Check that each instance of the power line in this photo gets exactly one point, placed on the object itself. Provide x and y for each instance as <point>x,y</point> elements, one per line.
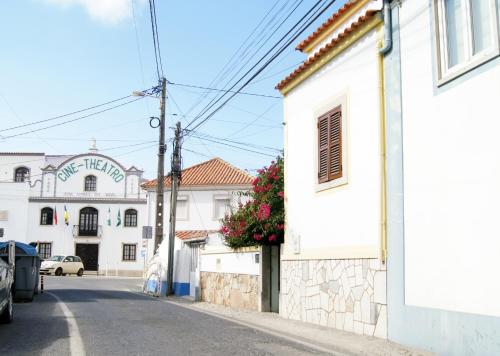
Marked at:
<point>157,37</point>
<point>234,146</point>
<point>223,90</point>
<point>154,38</point>
<point>65,115</point>
<point>297,33</point>
<point>221,74</point>
<point>246,144</point>
<point>214,101</point>
<point>73,120</point>
<point>252,122</point>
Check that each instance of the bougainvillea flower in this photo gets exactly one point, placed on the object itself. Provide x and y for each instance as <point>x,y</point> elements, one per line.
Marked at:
<point>257,237</point>
<point>264,211</point>
<point>280,226</point>
<point>272,237</point>
<point>281,195</point>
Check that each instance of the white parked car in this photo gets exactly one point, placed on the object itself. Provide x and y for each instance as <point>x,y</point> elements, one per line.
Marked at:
<point>62,265</point>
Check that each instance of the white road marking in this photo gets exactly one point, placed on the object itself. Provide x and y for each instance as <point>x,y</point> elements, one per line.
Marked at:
<point>75,338</point>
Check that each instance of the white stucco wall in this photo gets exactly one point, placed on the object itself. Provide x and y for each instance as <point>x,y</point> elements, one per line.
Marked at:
<point>342,222</point>
<point>230,262</point>
<point>451,176</point>
<point>110,243</point>
<point>58,186</point>
<point>9,163</point>
<point>14,204</point>
<point>200,206</point>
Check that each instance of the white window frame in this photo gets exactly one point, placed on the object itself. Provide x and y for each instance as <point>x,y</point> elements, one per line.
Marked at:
<point>471,61</point>
<point>186,199</point>
<point>215,199</point>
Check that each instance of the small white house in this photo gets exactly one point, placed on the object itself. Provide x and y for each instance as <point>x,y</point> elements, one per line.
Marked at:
<point>88,205</point>
<point>207,192</point>
<point>333,260</point>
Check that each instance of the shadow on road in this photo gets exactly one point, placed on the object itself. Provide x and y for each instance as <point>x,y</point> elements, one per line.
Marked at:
<point>37,326</point>
<point>95,295</point>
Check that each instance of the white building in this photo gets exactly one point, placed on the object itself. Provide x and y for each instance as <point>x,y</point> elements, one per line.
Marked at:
<point>333,262</point>
<point>87,205</point>
<point>207,192</point>
<point>443,87</point>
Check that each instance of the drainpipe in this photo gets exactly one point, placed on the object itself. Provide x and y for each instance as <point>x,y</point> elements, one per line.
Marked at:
<point>387,28</point>
<point>384,47</point>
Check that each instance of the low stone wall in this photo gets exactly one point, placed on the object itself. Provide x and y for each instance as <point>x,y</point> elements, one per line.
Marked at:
<point>348,294</point>
<point>239,291</point>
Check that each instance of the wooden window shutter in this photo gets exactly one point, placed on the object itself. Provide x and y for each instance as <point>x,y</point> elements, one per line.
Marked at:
<point>330,146</point>
<point>335,144</point>
<point>323,145</point>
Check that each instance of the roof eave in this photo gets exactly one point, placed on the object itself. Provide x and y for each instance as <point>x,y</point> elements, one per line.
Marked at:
<point>324,55</point>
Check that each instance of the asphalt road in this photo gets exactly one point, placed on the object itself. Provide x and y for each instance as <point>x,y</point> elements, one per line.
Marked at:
<point>102,316</point>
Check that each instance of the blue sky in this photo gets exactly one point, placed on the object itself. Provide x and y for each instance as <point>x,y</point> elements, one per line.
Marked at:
<point>62,55</point>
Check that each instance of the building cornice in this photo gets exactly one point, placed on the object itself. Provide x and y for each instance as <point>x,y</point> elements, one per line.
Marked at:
<point>86,200</point>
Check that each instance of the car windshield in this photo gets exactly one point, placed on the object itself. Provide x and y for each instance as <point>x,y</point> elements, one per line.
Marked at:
<point>56,258</point>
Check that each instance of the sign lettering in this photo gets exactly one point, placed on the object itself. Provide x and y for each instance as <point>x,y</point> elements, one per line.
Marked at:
<point>91,164</point>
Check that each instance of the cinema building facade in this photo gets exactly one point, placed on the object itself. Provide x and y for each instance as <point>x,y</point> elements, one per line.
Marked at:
<point>88,205</point>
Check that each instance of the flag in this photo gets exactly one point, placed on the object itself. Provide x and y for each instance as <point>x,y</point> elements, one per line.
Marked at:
<point>55,215</point>
<point>109,216</point>
<point>66,216</point>
<point>118,219</point>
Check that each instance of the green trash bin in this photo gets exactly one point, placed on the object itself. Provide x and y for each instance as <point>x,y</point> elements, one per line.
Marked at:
<point>27,270</point>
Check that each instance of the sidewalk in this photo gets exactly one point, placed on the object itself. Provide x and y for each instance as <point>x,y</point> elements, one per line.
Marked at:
<point>320,338</point>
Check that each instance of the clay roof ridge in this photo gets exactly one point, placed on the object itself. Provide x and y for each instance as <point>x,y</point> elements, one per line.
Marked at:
<point>234,167</point>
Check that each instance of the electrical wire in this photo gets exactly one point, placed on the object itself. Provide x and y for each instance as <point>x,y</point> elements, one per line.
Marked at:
<point>72,120</point>
<point>151,12</point>
<point>220,74</point>
<point>214,101</point>
<point>237,147</point>
<point>222,90</point>
<point>297,33</point>
<point>65,115</point>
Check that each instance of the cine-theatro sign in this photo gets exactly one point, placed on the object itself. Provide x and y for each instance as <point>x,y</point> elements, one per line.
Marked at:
<point>91,164</point>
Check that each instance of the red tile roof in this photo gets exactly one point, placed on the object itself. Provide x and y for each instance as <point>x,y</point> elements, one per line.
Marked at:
<point>325,49</point>
<point>186,235</point>
<point>213,172</point>
<point>330,21</point>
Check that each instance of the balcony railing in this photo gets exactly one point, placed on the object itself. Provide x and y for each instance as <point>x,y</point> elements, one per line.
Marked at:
<point>87,233</point>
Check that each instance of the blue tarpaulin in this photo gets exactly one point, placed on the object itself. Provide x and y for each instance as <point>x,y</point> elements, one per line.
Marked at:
<point>27,250</point>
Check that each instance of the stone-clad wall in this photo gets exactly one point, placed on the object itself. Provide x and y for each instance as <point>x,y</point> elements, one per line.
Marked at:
<point>348,295</point>
<point>239,291</point>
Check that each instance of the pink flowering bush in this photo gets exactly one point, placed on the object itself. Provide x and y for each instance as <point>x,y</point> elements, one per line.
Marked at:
<point>261,220</point>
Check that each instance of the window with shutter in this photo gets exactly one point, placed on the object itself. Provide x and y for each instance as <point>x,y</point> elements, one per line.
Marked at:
<point>330,145</point>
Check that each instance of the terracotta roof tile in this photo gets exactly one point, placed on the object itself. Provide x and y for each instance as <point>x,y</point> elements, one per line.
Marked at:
<point>213,172</point>
<point>330,21</point>
<point>186,235</point>
<point>325,49</point>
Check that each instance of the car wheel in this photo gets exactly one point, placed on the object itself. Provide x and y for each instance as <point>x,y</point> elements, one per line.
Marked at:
<point>80,272</point>
<point>8,313</point>
<point>58,271</point>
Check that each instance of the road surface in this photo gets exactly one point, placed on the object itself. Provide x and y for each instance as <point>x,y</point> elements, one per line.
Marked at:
<point>106,316</point>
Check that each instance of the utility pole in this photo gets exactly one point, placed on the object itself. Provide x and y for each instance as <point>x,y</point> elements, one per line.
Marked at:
<point>175,177</point>
<point>161,169</point>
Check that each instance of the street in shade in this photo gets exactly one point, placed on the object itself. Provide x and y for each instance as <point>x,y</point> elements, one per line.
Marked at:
<point>106,316</point>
